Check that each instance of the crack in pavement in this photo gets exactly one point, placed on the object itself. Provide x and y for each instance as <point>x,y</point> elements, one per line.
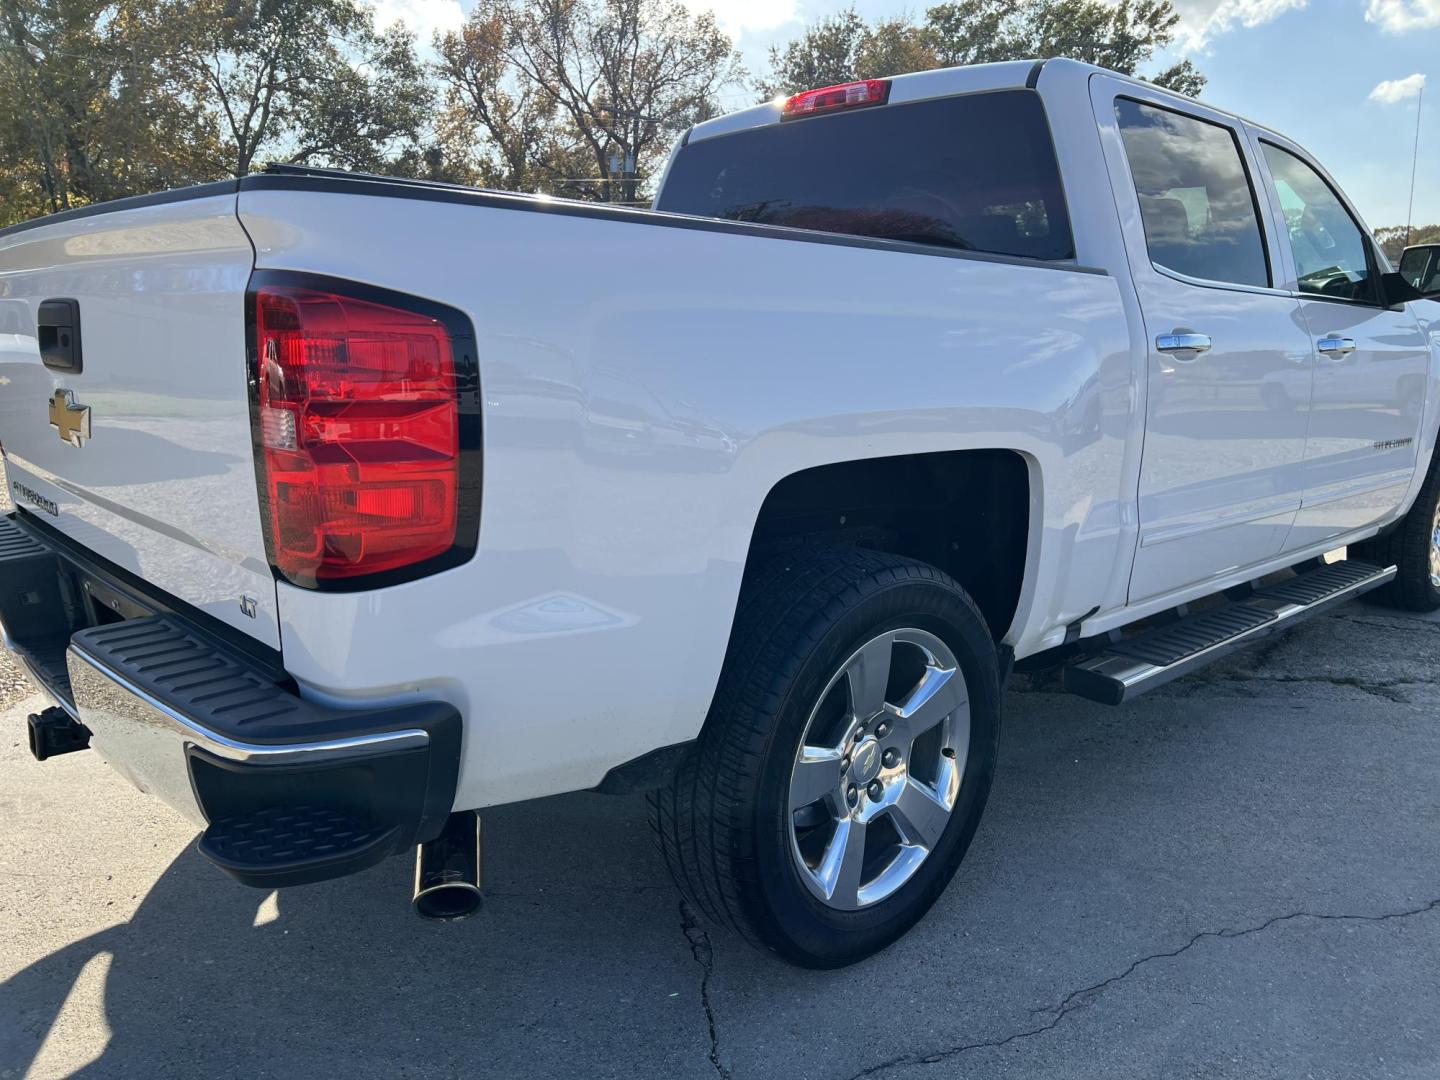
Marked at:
<point>1265,649</point>
<point>1380,621</point>
<point>1384,690</point>
<point>704,954</point>
<point>1088,995</point>
<point>1349,682</point>
<point>1264,652</point>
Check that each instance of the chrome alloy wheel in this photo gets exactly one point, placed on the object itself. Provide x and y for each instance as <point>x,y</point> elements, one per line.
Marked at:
<point>1435,551</point>
<point>878,769</point>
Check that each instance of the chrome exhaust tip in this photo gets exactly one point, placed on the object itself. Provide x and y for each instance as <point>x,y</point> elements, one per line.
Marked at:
<point>447,871</point>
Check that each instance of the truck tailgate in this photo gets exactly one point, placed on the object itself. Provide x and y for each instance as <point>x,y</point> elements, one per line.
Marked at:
<point>164,484</point>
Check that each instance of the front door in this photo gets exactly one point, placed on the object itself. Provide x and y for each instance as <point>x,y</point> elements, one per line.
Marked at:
<point>1372,363</point>
<point>1230,365</point>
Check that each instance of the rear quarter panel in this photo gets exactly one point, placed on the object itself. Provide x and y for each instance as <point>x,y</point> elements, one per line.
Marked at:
<point>645,387</point>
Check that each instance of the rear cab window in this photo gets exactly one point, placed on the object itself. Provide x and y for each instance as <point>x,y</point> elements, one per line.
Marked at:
<point>975,173</point>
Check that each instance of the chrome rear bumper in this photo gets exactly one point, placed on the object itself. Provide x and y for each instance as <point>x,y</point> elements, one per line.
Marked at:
<point>150,741</point>
<point>216,736</point>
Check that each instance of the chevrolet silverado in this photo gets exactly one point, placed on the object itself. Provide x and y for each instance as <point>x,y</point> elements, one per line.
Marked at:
<point>348,506</point>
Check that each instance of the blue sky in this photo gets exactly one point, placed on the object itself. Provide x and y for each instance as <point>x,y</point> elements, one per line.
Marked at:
<point>1308,68</point>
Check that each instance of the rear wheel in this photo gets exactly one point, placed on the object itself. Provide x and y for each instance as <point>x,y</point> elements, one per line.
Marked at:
<point>846,760</point>
<point>1413,547</point>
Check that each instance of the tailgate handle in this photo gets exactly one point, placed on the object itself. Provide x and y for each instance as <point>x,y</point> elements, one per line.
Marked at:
<point>58,328</point>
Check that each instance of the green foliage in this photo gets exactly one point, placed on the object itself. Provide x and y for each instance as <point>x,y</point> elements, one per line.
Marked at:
<point>1394,239</point>
<point>88,117</point>
<point>845,47</point>
<point>1122,36</point>
<point>581,97</point>
<point>107,99</point>
<point>301,81</point>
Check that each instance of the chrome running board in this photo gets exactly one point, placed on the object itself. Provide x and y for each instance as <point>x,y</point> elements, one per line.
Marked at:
<point>1130,666</point>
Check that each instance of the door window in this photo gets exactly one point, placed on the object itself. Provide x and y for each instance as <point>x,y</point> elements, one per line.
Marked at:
<point>1331,253</point>
<point>1196,199</point>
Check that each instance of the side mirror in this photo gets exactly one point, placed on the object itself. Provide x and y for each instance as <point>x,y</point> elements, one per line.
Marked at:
<point>1395,290</point>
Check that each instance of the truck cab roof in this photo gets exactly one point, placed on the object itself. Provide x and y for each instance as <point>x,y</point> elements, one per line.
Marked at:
<point>917,86</point>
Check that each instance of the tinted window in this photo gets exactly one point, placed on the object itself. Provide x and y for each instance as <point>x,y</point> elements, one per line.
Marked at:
<point>1331,256</point>
<point>1421,268</point>
<point>1412,265</point>
<point>1195,197</point>
<point>975,172</point>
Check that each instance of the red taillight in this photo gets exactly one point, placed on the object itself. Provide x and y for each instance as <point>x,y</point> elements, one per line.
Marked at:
<point>359,427</point>
<point>845,96</point>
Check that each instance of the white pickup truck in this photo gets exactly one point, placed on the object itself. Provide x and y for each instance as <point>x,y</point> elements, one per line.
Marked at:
<point>348,506</point>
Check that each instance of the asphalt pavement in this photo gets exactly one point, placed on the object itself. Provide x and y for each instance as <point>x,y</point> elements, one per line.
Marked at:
<point>1237,876</point>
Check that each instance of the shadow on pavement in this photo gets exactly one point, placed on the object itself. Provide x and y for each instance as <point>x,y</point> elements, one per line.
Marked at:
<point>1228,813</point>
<point>579,938</point>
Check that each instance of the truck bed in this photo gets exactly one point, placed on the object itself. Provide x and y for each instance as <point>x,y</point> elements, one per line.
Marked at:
<point>628,359</point>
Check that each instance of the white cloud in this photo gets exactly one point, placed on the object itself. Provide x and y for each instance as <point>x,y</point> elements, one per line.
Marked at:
<point>422,17</point>
<point>738,17</point>
<point>1392,90</point>
<point>1203,20</point>
<point>1398,16</point>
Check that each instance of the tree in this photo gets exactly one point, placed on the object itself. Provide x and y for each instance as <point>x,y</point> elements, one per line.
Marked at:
<point>90,117</point>
<point>500,128</point>
<point>1123,37</point>
<point>1394,239</point>
<point>895,44</point>
<point>109,98</point>
<point>596,89</point>
<point>302,81</point>
<point>845,47</point>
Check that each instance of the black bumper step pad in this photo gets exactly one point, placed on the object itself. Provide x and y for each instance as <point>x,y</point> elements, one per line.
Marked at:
<point>32,608</point>
<point>182,667</point>
<point>46,658</point>
<point>16,544</point>
<point>275,844</point>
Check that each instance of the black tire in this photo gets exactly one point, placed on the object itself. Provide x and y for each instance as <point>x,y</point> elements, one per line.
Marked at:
<point>722,825</point>
<point>1408,547</point>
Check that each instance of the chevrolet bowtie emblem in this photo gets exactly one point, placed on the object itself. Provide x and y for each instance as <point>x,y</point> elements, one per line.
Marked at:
<point>70,420</point>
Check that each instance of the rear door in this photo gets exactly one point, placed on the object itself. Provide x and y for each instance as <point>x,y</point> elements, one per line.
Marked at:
<point>1229,376</point>
<point>1371,363</point>
<point>150,462</point>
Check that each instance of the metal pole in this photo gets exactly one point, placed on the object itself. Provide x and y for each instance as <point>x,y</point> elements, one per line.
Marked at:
<point>1414,163</point>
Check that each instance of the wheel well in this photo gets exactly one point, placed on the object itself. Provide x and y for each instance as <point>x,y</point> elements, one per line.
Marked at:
<point>964,511</point>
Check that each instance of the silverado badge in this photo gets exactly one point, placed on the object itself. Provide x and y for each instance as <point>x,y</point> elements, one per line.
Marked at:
<point>70,420</point>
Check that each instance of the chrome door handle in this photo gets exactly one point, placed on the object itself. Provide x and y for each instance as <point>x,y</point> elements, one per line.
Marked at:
<point>1336,346</point>
<point>1183,341</point>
